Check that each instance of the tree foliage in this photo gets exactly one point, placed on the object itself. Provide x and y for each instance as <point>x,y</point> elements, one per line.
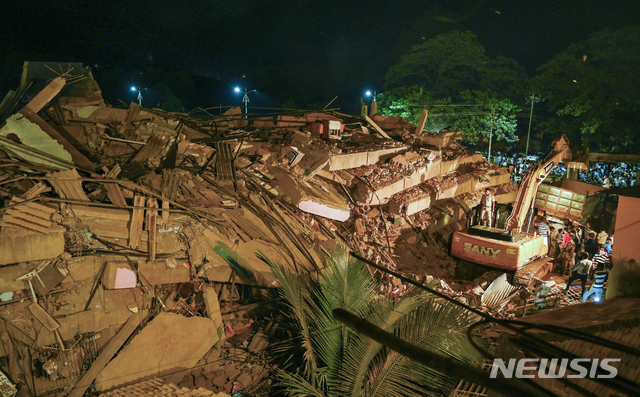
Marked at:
<point>490,116</point>
<point>593,87</point>
<point>408,102</point>
<point>453,62</point>
<point>327,358</point>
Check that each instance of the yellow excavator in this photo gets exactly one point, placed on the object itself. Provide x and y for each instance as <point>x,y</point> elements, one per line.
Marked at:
<point>514,249</point>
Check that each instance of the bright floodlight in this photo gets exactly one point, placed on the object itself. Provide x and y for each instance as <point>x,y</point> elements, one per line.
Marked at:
<point>597,299</point>
<point>133,88</point>
<point>368,93</point>
<point>237,89</point>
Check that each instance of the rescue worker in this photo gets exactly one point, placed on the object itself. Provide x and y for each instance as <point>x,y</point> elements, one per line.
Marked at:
<point>488,206</point>
<point>567,260</point>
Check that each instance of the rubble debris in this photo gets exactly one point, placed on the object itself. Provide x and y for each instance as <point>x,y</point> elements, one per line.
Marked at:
<point>152,221</point>
<point>107,353</point>
<point>118,275</point>
<point>166,342</point>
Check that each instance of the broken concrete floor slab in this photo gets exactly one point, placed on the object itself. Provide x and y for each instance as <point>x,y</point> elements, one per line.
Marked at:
<point>169,342</point>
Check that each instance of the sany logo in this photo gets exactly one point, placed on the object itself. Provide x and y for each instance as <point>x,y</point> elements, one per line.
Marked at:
<point>549,368</point>
<point>480,250</point>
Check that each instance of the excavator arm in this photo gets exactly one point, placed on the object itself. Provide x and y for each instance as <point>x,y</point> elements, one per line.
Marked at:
<point>533,177</point>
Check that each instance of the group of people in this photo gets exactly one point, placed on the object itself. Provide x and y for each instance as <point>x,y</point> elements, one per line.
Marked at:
<point>578,251</point>
<point>608,175</point>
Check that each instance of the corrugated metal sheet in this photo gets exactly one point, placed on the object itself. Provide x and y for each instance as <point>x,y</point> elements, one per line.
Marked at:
<point>29,216</point>
<point>498,292</point>
<point>65,185</point>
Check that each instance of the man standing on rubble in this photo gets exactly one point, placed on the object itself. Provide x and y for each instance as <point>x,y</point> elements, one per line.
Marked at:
<point>542,227</point>
<point>488,205</point>
<point>580,272</point>
<point>569,252</point>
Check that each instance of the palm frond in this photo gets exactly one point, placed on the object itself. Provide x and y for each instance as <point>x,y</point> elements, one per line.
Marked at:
<point>297,386</point>
<point>438,327</point>
<point>295,292</point>
<point>385,313</point>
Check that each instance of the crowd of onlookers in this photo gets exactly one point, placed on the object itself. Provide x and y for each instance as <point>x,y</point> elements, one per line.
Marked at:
<point>577,251</point>
<point>610,175</point>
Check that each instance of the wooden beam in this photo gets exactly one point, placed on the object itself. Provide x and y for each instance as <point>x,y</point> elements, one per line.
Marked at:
<point>107,354</point>
<point>135,229</point>
<point>46,95</point>
<point>152,228</point>
<point>376,127</point>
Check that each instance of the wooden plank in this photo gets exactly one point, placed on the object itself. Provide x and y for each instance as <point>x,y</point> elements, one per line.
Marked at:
<point>115,195</point>
<point>152,227</point>
<point>170,184</point>
<point>165,214</point>
<point>113,173</point>
<point>46,95</point>
<point>35,191</point>
<point>102,213</point>
<point>64,184</point>
<point>110,350</point>
<point>155,145</point>
<point>135,229</point>
<point>45,318</point>
<point>376,127</point>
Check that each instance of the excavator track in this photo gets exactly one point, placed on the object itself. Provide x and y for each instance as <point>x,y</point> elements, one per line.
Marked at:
<point>538,269</point>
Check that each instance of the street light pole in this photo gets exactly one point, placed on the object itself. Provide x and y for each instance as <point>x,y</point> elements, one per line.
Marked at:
<point>139,94</point>
<point>526,152</point>
<point>245,99</point>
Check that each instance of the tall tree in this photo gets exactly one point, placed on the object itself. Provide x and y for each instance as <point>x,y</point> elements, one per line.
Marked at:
<point>490,118</point>
<point>453,62</point>
<point>593,86</point>
<point>445,65</point>
<point>326,358</point>
<point>408,102</point>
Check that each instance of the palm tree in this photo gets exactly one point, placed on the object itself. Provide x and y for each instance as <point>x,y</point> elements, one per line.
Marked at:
<point>326,358</point>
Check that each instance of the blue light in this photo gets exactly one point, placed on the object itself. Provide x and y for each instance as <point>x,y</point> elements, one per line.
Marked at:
<point>133,88</point>
<point>237,89</point>
<point>368,93</point>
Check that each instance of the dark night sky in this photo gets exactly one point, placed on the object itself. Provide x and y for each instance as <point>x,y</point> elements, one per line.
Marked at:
<point>310,50</point>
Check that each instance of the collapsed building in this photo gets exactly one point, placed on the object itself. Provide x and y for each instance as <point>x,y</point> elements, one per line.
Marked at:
<point>137,234</point>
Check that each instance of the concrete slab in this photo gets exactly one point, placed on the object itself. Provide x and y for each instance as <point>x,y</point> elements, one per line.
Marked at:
<point>168,343</point>
<point>19,245</point>
<point>312,197</point>
<point>157,272</point>
<point>360,159</point>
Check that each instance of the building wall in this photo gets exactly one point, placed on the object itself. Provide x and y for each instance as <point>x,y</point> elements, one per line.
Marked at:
<point>624,279</point>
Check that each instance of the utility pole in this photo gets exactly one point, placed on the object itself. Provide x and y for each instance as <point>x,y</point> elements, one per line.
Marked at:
<point>526,152</point>
<point>245,99</point>
<point>493,113</point>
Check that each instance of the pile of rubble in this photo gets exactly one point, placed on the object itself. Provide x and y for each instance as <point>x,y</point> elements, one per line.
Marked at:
<point>134,233</point>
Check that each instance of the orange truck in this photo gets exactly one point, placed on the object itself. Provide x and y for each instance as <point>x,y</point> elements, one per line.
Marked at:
<point>516,248</point>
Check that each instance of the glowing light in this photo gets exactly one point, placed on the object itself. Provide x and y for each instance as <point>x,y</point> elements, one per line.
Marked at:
<point>237,89</point>
<point>597,299</point>
<point>133,88</point>
<point>368,93</point>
